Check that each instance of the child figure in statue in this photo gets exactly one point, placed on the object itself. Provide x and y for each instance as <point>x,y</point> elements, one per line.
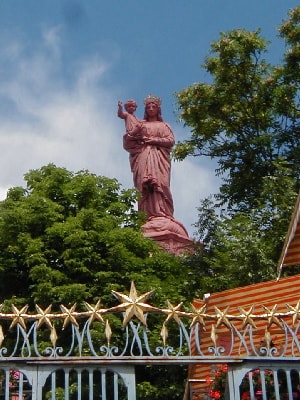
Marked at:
<point>131,120</point>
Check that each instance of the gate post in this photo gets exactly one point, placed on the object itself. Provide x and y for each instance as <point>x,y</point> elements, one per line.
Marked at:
<point>127,373</point>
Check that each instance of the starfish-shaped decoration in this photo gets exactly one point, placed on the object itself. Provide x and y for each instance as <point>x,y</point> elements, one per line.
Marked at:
<point>222,317</point>
<point>198,315</point>
<point>133,305</point>
<point>70,317</point>
<point>271,316</point>
<point>19,317</point>
<point>172,312</point>
<point>295,311</point>
<point>43,316</point>
<point>95,312</point>
<point>247,317</point>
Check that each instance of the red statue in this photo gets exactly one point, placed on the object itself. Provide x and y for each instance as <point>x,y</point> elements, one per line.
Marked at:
<point>130,119</point>
<point>149,143</point>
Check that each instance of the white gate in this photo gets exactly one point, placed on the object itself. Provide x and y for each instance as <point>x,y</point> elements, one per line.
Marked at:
<point>35,381</point>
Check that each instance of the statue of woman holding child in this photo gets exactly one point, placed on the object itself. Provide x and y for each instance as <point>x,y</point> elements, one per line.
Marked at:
<point>149,142</point>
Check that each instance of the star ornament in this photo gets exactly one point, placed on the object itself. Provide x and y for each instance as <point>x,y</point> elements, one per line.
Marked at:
<point>69,316</point>
<point>95,312</point>
<point>43,316</point>
<point>198,315</point>
<point>295,312</point>
<point>172,312</point>
<point>222,317</point>
<point>133,305</point>
<point>247,317</point>
<point>19,316</point>
<point>272,317</point>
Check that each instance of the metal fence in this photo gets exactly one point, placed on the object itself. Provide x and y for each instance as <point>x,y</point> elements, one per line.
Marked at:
<point>92,353</point>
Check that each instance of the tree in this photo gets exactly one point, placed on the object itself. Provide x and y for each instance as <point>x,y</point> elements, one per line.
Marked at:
<point>73,237</point>
<point>289,85</point>
<point>242,247</point>
<point>70,237</point>
<point>247,117</point>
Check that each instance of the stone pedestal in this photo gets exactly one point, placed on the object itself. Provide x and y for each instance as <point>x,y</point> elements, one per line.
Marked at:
<point>169,233</point>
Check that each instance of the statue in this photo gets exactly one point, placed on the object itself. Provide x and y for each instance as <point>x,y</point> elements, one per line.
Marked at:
<point>130,119</point>
<point>149,142</point>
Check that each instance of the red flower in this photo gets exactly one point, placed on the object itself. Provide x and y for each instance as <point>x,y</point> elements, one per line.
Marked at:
<point>208,380</point>
<point>224,368</point>
<point>246,396</point>
<point>215,394</point>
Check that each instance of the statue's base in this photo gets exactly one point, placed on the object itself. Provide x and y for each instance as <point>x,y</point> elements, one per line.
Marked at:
<point>169,234</point>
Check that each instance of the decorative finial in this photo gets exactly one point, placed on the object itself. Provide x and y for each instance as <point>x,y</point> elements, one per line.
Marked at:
<point>152,99</point>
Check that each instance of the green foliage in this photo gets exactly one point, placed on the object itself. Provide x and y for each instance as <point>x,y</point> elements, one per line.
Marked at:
<point>174,375</point>
<point>247,117</point>
<point>73,237</point>
<point>290,32</point>
<point>242,248</point>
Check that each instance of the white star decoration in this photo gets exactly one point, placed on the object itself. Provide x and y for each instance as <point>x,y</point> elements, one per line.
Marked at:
<point>295,312</point>
<point>272,317</point>
<point>95,312</point>
<point>133,305</point>
<point>173,312</point>
<point>70,317</point>
<point>247,317</point>
<point>199,315</point>
<point>43,316</point>
<point>19,318</point>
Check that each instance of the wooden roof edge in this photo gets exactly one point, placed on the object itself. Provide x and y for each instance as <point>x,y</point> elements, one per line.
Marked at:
<point>288,238</point>
<point>209,297</point>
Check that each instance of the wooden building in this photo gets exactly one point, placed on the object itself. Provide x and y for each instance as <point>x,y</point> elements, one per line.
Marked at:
<point>272,298</point>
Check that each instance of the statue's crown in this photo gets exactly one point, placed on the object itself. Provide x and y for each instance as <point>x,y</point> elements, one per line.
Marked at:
<point>152,99</point>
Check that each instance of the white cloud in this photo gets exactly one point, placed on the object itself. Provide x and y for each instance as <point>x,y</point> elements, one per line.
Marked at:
<point>191,182</point>
<point>72,124</point>
<point>52,39</point>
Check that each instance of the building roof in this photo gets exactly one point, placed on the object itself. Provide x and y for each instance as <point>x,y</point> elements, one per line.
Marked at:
<point>275,294</point>
<point>290,254</point>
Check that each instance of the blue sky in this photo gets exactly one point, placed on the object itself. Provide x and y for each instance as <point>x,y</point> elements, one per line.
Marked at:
<point>64,64</point>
